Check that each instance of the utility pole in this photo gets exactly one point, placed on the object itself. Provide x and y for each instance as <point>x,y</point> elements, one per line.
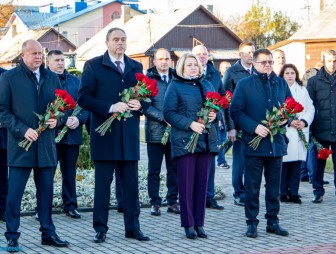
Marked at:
<point>308,8</point>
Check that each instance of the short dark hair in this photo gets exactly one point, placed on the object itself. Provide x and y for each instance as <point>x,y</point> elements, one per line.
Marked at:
<point>292,66</point>
<point>111,30</point>
<point>261,51</point>
<point>245,43</point>
<point>55,52</point>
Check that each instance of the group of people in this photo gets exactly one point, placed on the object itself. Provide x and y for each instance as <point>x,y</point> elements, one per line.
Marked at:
<point>257,87</point>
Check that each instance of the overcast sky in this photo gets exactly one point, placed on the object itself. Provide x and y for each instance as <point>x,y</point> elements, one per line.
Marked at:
<point>295,8</point>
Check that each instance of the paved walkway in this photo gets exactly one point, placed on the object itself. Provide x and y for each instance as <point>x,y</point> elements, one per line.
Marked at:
<point>312,229</point>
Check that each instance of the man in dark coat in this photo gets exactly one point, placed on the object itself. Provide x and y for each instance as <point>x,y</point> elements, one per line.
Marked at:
<point>24,91</point>
<point>213,76</point>
<point>322,91</point>
<point>253,97</point>
<point>3,168</point>
<point>241,69</point>
<point>103,79</point>
<point>155,127</point>
<point>68,147</point>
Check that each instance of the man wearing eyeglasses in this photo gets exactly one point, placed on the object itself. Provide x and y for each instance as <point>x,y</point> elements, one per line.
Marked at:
<point>241,69</point>
<point>254,96</point>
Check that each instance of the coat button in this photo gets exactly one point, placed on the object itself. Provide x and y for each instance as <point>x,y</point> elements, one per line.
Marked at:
<point>270,152</point>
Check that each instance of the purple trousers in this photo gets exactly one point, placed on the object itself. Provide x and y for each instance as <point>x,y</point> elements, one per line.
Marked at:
<point>192,174</point>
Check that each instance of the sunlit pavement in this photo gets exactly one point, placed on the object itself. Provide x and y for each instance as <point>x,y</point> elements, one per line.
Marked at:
<point>312,228</point>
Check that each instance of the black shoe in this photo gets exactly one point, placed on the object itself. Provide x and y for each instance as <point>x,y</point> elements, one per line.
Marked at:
<point>213,205</point>
<point>120,209</point>
<point>317,199</point>
<point>284,199</point>
<point>99,237</point>
<point>190,233</point>
<point>239,201</point>
<point>251,231</point>
<point>200,232</point>
<point>276,229</point>
<point>173,209</point>
<point>136,235</point>
<point>13,245</point>
<point>325,182</point>
<point>295,199</point>
<point>54,240</point>
<point>155,210</point>
<point>304,179</point>
<point>73,214</point>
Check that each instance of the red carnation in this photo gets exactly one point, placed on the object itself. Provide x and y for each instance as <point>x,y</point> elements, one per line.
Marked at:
<point>324,154</point>
<point>290,102</point>
<point>298,108</point>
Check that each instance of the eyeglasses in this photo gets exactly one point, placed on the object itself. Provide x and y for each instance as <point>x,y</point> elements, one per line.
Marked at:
<point>266,62</point>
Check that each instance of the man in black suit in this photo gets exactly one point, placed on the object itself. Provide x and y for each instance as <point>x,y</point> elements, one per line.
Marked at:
<point>68,147</point>
<point>24,91</point>
<point>155,127</point>
<point>103,79</point>
<point>3,168</point>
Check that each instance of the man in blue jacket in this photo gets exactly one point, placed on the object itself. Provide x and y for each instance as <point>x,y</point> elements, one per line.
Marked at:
<point>68,147</point>
<point>241,69</point>
<point>104,78</point>
<point>253,97</point>
<point>24,91</point>
<point>3,168</point>
<point>213,76</point>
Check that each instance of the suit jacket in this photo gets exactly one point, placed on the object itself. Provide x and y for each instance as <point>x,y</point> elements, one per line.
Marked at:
<point>20,96</point>
<point>101,84</point>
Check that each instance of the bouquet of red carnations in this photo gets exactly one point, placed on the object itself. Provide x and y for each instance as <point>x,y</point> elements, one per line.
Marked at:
<point>213,103</point>
<point>65,129</point>
<point>55,110</point>
<point>323,153</point>
<point>287,110</point>
<point>145,88</point>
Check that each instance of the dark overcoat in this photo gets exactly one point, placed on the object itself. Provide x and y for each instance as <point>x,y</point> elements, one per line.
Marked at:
<point>20,96</point>
<point>3,131</point>
<point>322,90</point>
<point>101,84</point>
<point>183,99</point>
<point>252,98</point>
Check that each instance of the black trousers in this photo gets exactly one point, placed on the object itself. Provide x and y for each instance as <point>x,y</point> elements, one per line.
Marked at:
<point>254,167</point>
<point>128,172</point>
<point>290,178</point>
<point>155,152</point>
<point>17,181</point>
<point>3,180</point>
<point>67,156</point>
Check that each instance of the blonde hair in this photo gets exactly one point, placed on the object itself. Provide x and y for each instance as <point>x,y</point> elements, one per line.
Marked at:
<point>181,61</point>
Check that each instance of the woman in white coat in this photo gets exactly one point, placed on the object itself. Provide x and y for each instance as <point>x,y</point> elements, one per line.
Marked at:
<point>296,151</point>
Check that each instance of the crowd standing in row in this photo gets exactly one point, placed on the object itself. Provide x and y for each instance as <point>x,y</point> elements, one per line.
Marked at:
<point>257,86</point>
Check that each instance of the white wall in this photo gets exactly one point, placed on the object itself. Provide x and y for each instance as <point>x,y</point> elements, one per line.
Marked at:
<point>296,54</point>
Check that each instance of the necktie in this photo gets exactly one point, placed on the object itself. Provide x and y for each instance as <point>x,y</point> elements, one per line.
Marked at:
<point>249,71</point>
<point>119,67</point>
<point>37,76</point>
<point>165,79</point>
